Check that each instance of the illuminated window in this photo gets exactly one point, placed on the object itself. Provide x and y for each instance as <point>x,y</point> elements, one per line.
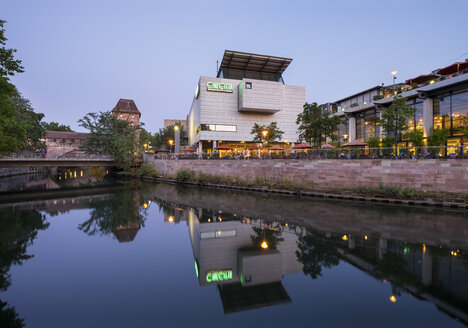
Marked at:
<point>218,127</point>
<point>248,85</point>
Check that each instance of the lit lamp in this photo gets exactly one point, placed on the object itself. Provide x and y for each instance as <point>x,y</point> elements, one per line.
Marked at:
<point>394,78</point>
<point>171,142</point>
<point>264,245</point>
<point>177,139</point>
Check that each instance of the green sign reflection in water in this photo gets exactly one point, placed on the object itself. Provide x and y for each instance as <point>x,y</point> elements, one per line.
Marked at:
<point>220,87</point>
<point>218,275</point>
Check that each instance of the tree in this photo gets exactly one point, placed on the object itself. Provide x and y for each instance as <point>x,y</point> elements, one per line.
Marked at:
<point>395,118</point>
<point>273,133</point>
<point>162,137</point>
<point>315,125</point>
<point>145,138</point>
<point>109,135</point>
<point>315,252</point>
<point>12,133</point>
<point>55,126</point>
<point>30,121</point>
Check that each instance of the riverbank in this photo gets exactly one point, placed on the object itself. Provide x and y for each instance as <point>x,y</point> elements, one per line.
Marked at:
<point>383,195</point>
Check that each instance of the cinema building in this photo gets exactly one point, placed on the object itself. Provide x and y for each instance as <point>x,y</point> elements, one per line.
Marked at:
<point>247,89</point>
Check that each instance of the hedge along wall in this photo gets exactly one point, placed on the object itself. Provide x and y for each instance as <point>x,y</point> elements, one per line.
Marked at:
<point>436,175</point>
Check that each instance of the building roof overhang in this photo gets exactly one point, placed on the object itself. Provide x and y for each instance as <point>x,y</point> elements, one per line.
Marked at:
<point>245,61</point>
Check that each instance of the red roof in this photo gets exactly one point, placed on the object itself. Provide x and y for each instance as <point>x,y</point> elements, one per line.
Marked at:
<point>454,68</point>
<point>126,106</point>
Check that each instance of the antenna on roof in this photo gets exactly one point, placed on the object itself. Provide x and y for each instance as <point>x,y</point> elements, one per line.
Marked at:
<point>216,68</point>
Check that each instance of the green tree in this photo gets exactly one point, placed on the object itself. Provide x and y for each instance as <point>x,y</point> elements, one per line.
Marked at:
<point>395,118</point>
<point>273,133</point>
<point>437,137</point>
<point>30,121</point>
<point>161,138</point>
<point>55,126</point>
<point>12,133</point>
<point>272,237</point>
<point>416,138</point>
<point>145,138</point>
<point>315,125</point>
<point>109,135</point>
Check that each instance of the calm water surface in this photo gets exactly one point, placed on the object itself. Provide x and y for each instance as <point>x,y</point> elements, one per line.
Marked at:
<point>171,256</point>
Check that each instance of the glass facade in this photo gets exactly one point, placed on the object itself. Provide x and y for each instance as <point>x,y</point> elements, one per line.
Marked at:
<point>367,125</point>
<point>416,123</point>
<point>451,113</point>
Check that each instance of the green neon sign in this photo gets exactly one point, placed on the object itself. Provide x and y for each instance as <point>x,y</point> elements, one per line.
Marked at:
<point>197,91</point>
<point>218,275</point>
<point>219,87</point>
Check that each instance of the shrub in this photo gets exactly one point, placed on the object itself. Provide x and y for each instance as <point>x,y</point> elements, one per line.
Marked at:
<point>438,137</point>
<point>377,97</point>
<point>374,142</point>
<point>183,175</point>
<point>416,138</point>
<point>148,170</point>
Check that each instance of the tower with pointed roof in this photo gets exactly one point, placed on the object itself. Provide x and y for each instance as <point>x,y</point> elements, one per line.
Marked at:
<point>126,109</point>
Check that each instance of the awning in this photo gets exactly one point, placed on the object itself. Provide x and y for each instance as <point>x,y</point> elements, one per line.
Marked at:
<point>422,78</point>
<point>190,149</point>
<point>454,68</point>
<point>328,146</point>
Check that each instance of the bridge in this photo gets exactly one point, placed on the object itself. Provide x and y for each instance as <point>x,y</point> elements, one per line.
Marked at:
<point>49,161</point>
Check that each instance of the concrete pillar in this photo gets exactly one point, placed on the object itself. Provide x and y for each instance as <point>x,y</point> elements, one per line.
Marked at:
<point>428,116</point>
<point>351,129</point>
<point>214,145</point>
<point>176,141</point>
<point>200,147</point>
<point>426,266</point>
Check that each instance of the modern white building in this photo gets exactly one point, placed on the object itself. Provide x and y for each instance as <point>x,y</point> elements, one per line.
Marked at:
<point>248,89</point>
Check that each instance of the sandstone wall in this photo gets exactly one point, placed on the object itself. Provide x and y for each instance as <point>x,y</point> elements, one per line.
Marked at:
<point>436,175</point>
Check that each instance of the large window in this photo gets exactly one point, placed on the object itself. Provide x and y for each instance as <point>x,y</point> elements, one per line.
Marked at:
<point>367,125</point>
<point>219,127</point>
<point>416,122</point>
<point>459,112</point>
<point>451,113</point>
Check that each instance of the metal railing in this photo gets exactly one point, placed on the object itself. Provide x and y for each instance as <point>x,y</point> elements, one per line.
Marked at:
<point>442,152</point>
<point>43,156</point>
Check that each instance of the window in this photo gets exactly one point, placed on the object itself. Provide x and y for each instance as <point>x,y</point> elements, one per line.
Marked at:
<point>218,127</point>
<point>218,234</point>
<point>248,85</point>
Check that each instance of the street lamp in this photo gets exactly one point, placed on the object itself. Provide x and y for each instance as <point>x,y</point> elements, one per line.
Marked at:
<point>171,142</point>
<point>265,134</point>
<point>394,78</point>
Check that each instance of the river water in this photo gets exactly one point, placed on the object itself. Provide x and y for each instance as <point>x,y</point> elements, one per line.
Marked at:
<point>107,254</point>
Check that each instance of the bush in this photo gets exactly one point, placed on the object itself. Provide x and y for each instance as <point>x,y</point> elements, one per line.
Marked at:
<point>148,170</point>
<point>183,175</point>
<point>416,138</point>
<point>438,137</point>
<point>374,142</point>
<point>377,97</point>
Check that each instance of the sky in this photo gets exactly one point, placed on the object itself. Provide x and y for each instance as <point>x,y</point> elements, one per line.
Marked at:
<point>82,56</point>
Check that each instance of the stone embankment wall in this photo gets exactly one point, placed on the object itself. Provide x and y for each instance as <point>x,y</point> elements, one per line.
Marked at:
<point>426,175</point>
<point>9,171</point>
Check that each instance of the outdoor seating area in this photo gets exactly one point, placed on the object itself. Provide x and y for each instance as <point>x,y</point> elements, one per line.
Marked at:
<point>307,152</point>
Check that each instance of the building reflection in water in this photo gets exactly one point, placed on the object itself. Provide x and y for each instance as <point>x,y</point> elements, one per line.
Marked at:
<point>228,253</point>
